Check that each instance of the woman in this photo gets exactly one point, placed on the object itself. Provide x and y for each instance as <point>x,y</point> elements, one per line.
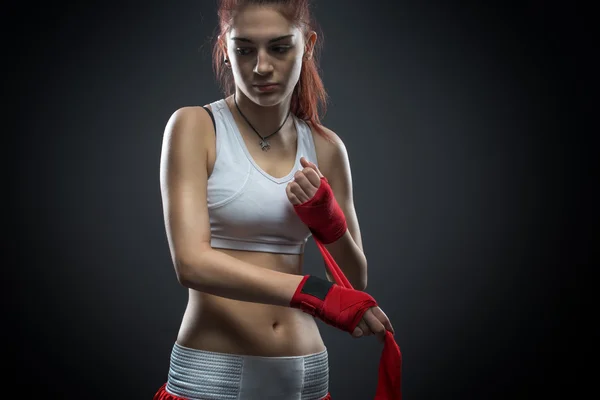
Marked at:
<point>232,173</point>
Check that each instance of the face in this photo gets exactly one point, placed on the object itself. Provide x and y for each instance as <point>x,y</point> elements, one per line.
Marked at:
<point>265,52</point>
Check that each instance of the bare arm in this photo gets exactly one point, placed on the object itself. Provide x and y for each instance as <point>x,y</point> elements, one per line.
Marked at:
<point>183,183</point>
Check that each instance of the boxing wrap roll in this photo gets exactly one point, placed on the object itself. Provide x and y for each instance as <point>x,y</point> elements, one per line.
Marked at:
<point>339,304</point>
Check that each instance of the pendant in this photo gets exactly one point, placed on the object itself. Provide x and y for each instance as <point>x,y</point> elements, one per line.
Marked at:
<point>264,145</point>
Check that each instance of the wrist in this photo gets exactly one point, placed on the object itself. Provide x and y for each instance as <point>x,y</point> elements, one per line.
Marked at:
<point>323,215</point>
<point>310,294</point>
<point>291,287</point>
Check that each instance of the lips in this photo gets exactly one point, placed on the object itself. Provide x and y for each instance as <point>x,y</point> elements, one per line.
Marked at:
<point>267,88</point>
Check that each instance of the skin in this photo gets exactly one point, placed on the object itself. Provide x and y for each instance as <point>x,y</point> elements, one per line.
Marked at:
<point>225,325</point>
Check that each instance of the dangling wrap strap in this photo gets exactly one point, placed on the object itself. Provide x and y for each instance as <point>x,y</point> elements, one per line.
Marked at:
<point>339,304</point>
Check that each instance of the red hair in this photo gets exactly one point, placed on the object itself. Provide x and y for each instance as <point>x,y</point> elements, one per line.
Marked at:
<point>309,98</point>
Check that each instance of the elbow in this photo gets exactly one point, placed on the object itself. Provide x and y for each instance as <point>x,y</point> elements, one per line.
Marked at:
<point>190,267</point>
<point>189,272</point>
<point>190,275</point>
<point>357,277</point>
<point>361,283</point>
<point>182,271</point>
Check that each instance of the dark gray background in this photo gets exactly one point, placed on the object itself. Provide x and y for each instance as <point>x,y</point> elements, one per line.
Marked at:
<point>469,171</point>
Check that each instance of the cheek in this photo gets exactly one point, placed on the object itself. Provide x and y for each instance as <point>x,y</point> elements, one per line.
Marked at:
<point>242,71</point>
<point>294,70</point>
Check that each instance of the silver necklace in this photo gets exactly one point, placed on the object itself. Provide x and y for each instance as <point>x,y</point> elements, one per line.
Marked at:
<point>264,143</point>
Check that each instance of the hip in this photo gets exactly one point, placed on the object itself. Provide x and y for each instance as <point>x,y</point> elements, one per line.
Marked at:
<point>200,374</point>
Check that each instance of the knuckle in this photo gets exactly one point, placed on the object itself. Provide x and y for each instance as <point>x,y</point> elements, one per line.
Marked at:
<point>311,174</point>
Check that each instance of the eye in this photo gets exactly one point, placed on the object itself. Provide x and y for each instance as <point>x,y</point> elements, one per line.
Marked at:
<point>281,49</point>
<point>243,51</point>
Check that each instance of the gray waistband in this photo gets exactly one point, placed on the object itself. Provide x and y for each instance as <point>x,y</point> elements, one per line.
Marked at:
<point>204,375</point>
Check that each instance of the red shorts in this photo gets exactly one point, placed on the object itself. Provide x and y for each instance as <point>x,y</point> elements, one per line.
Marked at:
<point>162,394</point>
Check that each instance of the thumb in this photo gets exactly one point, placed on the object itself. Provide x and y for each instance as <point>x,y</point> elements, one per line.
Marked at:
<point>305,163</point>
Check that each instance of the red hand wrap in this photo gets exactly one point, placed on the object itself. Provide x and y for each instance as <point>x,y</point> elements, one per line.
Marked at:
<point>323,215</point>
<point>335,305</point>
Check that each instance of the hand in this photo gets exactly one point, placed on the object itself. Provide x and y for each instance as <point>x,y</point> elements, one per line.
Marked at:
<point>373,322</point>
<point>305,183</point>
<point>333,304</point>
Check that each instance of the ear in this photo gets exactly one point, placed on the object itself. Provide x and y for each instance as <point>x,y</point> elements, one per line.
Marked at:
<point>309,45</point>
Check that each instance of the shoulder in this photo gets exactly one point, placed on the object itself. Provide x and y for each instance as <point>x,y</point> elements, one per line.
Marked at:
<point>331,151</point>
<point>188,120</point>
<point>189,116</point>
<point>188,127</point>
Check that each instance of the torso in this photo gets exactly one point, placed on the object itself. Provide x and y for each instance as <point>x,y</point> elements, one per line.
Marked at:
<point>229,326</point>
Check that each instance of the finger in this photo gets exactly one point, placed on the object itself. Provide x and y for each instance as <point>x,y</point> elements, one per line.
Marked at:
<point>291,196</point>
<point>297,190</point>
<point>378,312</point>
<point>362,330</point>
<point>374,324</point>
<point>305,184</point>
<point>312,176</point>
<point>314,166</point>
<point>365,328</point>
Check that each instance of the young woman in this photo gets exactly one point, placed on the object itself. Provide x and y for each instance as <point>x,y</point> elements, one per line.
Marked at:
<point>232,174</point>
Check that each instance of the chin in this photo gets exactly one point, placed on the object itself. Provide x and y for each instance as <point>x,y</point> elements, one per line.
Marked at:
<point>268,99</point>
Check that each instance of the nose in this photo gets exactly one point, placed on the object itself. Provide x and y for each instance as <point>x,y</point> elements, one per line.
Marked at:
<point>263,65</point>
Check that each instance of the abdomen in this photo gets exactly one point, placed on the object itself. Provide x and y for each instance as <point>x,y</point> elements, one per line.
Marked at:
<point>224,325</point>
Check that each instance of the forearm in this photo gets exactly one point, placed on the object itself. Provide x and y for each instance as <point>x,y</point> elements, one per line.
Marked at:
<point>351,260</point>
<point>222,275</point>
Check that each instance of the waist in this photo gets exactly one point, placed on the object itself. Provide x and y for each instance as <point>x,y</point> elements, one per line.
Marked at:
<point>201,374</point>
<point>224,325</point>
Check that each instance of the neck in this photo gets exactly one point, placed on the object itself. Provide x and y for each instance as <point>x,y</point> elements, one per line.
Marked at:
<point>265,119</point>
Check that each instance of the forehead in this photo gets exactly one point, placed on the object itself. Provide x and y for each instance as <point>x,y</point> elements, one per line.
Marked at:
<point>261,23</point>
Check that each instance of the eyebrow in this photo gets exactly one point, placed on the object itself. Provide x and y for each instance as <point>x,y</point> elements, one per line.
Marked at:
<point>241,39</point>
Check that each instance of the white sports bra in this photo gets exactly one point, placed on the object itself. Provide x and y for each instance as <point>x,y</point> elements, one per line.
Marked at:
<point>248,208</point>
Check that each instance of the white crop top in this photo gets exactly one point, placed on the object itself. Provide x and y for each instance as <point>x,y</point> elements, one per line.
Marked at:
<point>248,208</point>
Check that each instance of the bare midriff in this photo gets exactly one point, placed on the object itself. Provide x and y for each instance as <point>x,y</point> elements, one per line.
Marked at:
<point>224,325</point>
